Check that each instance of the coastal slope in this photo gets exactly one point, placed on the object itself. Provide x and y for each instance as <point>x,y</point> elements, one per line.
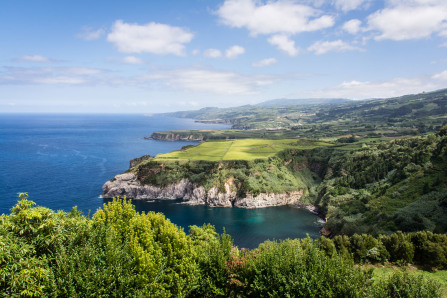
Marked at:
<point>359,185</point>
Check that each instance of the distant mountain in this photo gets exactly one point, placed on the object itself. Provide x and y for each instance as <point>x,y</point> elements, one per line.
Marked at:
<point>302,101</point>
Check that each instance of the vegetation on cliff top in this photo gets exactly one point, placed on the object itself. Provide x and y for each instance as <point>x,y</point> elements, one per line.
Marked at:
<point>119,252</point>
<point>362,186</point>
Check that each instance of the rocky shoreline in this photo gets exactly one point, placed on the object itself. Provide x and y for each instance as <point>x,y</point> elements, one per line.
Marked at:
<point>174,137</point>
<point>128,185</point>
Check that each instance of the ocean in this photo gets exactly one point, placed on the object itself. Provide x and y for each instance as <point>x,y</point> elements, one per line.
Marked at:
<point>62,160</point>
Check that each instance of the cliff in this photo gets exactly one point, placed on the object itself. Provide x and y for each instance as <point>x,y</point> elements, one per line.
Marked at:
<point>172,136</point>
<point>127,184</point>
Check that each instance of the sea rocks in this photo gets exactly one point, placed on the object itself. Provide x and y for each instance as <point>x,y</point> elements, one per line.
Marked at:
<point>128,185</point>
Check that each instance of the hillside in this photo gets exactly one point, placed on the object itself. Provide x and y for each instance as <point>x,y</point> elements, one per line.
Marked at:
<point>359,185</point>
<point>400,116</point>
<point>301,101</point>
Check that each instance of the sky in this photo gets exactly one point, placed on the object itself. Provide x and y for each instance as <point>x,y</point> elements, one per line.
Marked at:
<point>144,56</point>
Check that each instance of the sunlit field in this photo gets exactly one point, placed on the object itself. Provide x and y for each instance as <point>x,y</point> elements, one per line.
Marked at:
<point>243,149</point>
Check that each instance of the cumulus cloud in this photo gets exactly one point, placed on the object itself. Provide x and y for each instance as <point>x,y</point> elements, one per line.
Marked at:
<point>347,5</point>
<point>285,44</point>
<point>234,51</point>
<point>152,38</point>
<point>88,33</point>
<point>352,26</point>
<point>264,62</point>
<point>212,53</point>
<point>380,89</point>
<point>287,17</point>
<point>132,60</point>
<point>127,60</point>
<point>441,76</point>
<point>210,81</point>
<point>322,47</point>
<point>48,75</point>
<point>35,58</point>
<point>412,19</point>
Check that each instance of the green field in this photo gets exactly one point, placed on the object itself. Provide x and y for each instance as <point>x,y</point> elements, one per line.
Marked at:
<point>242,149</point>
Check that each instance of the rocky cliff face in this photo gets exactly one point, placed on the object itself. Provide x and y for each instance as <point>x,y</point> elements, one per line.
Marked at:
<point>174,137</point>
<point>128,185</point>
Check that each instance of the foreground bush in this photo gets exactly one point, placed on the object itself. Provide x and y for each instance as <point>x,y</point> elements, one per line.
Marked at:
<point>295,268</point>
<point>118,252</point>
<point>121,253</point>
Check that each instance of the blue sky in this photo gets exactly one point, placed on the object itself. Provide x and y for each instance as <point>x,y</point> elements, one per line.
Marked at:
<point>155,56</point>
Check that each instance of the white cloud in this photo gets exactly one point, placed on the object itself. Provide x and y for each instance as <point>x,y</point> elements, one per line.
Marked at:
<point>59,80</point>
<point>79,70</point>
<point>132,60</point>
<point>281,16</point>
<point>209,81</point>
<point>285,44</point>
<point>352,26</point>
<point>152,38</point>
<point>264,62</point>
<point>188,103</point>
<point>441,76</point>
<point>49,75</point>
<point>347,5</point>
<point>322,47</point>
<point>381,89</point>
<point>212,53</point>
<point>90,34</point>
<point>35,58</point>
<point>234,51</point>
<point>404,20</point>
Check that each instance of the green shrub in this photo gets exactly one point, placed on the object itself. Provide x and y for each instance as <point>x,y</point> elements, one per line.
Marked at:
<point>294,268</point>
<point>211,252</point>
<point>401,284</point>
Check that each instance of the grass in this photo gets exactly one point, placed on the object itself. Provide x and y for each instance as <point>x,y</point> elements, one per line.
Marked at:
<point>382,272</point>
<point>240,149</point>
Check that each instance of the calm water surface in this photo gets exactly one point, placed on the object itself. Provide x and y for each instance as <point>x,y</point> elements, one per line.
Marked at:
<point>63,160</point>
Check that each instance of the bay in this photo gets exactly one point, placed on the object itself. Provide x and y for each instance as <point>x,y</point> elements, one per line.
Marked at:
<point>62,160</point>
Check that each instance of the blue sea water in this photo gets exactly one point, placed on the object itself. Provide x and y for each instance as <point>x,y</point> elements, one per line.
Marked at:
<point>62,160</point>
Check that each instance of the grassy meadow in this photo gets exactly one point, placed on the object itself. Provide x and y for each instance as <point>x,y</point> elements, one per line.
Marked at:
<point>240,149</point>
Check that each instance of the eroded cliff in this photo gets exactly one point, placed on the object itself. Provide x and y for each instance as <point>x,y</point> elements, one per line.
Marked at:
<point>127,184</point>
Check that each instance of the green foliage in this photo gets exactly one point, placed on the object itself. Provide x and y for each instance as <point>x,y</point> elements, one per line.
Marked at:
<point>21,271</point>
<point>406,115</point>
<point>402,284</point>
<point>212,252</point>
<point>162,253</point>
<point>294,268</point>
<point>119,252</point>
<point>400,248</point>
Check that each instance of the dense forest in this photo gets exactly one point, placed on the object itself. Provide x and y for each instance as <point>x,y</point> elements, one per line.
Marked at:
<point>118,252</point>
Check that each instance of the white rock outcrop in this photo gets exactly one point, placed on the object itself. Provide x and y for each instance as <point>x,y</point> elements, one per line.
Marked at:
<point>128,185</point>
